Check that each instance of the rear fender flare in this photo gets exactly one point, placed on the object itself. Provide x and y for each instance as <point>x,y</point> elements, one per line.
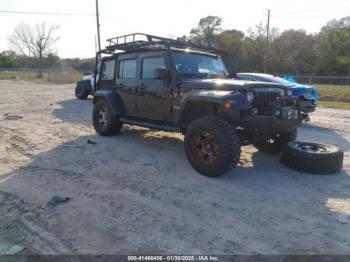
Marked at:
<point>113,99</point>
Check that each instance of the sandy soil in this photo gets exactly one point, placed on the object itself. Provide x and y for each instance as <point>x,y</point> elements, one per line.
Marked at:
<point>137,193</point>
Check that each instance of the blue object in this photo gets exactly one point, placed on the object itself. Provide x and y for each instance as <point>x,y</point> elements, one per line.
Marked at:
<point>290,79</point>
<point>306,92</point>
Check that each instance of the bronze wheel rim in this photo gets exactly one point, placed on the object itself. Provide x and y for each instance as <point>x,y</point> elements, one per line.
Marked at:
<point>205,147</point>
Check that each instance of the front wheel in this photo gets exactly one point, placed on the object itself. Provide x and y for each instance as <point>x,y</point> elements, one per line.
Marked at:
<point>105,123</point>
<point>275,144</point>
<point>212,146</point>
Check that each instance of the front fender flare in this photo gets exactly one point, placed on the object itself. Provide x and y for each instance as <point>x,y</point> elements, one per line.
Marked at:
<point>216,98</point>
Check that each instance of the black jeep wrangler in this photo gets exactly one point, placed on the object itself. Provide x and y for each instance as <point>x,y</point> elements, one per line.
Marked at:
<point>175,86</point>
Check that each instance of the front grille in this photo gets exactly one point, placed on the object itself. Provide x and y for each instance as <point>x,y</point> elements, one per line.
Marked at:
<point>264,98</point>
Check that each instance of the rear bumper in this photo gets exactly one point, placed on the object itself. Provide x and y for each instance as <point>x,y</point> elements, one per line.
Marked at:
<point>269,124</point>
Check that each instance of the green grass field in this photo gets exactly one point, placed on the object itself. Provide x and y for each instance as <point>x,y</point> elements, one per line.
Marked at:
<point>334,96</point>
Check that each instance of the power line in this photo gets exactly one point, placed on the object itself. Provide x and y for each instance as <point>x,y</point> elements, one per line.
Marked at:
<point>311,10</point>
<point>45,13</point>
<point>309,16</point>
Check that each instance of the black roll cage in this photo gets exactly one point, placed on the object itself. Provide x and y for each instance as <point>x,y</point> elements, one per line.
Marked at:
<point>144,42</point>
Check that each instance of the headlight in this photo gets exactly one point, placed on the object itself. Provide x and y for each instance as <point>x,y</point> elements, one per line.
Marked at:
<point>250,96</point>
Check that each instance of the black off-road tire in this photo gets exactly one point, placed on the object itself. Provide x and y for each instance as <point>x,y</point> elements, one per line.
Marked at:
<point>276,144</point>
<point>328,161</point>
<point>228,148</point>
<point>111,125</point>
<point>81,91</point>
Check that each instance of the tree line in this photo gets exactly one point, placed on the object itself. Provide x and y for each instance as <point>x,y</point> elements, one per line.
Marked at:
<point>291,51</point>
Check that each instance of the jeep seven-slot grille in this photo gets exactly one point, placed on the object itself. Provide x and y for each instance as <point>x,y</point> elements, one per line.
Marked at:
<point>265,97</point>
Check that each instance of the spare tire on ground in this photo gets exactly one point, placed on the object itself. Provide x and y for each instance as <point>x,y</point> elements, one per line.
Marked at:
<point>313,158</point>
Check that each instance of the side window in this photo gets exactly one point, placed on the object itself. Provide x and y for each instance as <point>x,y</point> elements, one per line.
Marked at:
<point>107,72</point>
<point>127,69</point>
<point>150,64</point>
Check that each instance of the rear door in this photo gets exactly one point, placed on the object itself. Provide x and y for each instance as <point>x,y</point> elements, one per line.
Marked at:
<point>154,96</point>
<point>126,82</point>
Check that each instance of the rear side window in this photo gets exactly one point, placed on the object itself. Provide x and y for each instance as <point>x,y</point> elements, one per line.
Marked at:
<point>150,64</point>
<point>108,68</point>
<point>127,69</point>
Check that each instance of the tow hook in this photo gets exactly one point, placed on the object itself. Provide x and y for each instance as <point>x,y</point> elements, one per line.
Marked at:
<point>306,117</point>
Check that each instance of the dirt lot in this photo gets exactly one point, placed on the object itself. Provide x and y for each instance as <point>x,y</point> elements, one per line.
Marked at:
<point>137,193</point>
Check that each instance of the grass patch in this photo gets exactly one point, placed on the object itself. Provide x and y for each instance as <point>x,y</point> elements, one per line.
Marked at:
<point>334,93</point>
<point>335,105</point>
<point>334,96</point>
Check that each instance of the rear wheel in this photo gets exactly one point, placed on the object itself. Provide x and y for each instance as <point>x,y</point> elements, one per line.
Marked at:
<point>81,91</point>
<point>212,146</point>
<point>275,144</point>
<point>105,123</point>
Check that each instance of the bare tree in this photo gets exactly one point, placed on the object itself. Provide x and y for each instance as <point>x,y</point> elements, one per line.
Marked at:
<point>34,41</point>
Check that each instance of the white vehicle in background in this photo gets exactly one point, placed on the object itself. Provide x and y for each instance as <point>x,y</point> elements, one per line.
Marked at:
<point>85,86</point>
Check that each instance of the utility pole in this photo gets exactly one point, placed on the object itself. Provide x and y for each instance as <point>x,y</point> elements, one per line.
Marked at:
<point>267,40</point>
<point>98,27</point>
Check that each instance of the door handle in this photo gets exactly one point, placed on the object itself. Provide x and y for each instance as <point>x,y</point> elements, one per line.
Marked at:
<point>121,85</point>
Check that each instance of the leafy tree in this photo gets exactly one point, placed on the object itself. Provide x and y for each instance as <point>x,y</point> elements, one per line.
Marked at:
<point>254,47</point>
<point>206,30</point>
<point>333,47</point>
<point>231,41</point>
<point>292,52</point>
<point>8,59</point>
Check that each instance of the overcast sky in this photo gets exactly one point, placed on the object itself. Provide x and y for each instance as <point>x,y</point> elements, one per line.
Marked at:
<point>167,18</point>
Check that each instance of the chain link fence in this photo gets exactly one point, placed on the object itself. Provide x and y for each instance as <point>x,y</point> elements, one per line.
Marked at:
<point>69,76</point>
<point>50,75</point>
<point>323,80</point>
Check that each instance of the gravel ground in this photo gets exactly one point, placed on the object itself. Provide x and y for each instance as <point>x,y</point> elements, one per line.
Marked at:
<point>137,193</point>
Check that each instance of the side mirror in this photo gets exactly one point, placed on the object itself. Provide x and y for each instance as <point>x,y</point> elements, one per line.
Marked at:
<point>161,73</point>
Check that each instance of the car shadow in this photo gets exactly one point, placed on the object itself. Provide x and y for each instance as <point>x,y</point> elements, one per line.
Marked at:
<point>75,111</point>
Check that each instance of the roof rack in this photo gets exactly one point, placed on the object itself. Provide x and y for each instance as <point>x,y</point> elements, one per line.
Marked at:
<point>142,41</point>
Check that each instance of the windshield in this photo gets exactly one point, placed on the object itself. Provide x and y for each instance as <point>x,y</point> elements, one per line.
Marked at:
<point>199,66</point>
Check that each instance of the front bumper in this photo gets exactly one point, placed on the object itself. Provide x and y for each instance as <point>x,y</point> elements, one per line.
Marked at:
<point>269,124</point>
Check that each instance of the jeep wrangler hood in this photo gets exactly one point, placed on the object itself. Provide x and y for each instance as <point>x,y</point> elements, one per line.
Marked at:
<point>229,84</point>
